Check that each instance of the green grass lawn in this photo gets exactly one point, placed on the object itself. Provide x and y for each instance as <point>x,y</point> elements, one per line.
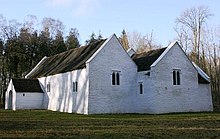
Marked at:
<point>48,124</point>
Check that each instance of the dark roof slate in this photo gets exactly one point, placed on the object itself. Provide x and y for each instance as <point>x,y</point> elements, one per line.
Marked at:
<point>146,59</point>
<point>66,61</point>
<point>27,85</point>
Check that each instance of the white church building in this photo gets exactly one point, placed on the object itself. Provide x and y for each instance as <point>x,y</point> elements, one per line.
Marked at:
<point>103,78</point>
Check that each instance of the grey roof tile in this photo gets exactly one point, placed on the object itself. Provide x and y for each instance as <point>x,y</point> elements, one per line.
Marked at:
<point>27,85</point>
<point>145,59</point>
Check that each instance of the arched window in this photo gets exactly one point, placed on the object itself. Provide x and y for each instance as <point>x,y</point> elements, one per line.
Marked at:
<point>113,78</point>
<point>176,77</point>
<point>117,79</point>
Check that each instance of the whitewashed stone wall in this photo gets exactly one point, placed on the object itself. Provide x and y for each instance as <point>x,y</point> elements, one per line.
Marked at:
<point>61,96</point>
<point>9,102</point>
<point>29,100</point>
<point>144,103</point>
<point>176,98</point>
<point>205,101</point>
<point>103,96</point>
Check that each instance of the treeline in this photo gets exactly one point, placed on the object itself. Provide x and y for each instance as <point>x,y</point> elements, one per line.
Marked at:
<point>23,45</point>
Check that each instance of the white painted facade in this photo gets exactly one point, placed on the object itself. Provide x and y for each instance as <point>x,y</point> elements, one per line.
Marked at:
<point>22,100</point>
<point>97,94</point>
<point>29,100</point>
<point>10,97</point>
<point>62,97</point>
<point>103,96</point>
<point>165,97</point>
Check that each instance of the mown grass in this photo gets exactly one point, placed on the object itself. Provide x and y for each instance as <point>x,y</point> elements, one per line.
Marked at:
<point>48,124</point>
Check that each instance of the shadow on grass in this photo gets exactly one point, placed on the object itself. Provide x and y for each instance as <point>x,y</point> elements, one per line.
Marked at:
<point>47,124</point>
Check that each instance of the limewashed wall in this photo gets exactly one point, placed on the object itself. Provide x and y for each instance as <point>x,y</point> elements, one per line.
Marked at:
<point>61,96</point>
<point>103,96</point>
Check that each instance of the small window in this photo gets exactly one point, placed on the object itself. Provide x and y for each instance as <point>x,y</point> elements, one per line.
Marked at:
<point>176,77</point>
<point>75,86</point>
<point>113,78</point>
<point>141,88</point>
<point>48,87</point>
<point>116,78</point>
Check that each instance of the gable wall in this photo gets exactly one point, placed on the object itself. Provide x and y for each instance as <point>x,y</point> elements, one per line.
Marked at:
<point>103,96</point>
<point>7,98</point>
<point>61,96</point>
<point>31,100</point>
<point>176,98</point>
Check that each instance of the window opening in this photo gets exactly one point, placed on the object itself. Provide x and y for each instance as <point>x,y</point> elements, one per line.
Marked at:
<point>141,88</point>
<point>48,87</point>
<point>176,77</point>
<point>75,86</point>
<point>116,78</point>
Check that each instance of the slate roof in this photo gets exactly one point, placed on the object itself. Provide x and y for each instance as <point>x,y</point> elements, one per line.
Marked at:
<point>67,61</point>
<point>27,85</point>
<point>146,59</point>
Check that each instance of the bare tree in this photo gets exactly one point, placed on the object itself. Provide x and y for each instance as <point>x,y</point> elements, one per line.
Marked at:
<point>52,27</point>
<point>30,23</point>
<point>183,37</point>
<point>124,40</point>
<point>141,43</point>
<point>193,20</point>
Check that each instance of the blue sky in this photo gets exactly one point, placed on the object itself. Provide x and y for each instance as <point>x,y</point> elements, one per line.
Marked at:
<point>110,16</point>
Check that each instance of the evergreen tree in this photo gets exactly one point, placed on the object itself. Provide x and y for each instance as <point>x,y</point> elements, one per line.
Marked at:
<point>99,36</point>
<point>72,39</point>
<point>91,39</point>
<point>58,45</point>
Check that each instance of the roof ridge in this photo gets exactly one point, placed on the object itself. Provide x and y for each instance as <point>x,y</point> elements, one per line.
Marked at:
<point>81,47</point>
<point>152,50</point>
<point>66,61</point>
